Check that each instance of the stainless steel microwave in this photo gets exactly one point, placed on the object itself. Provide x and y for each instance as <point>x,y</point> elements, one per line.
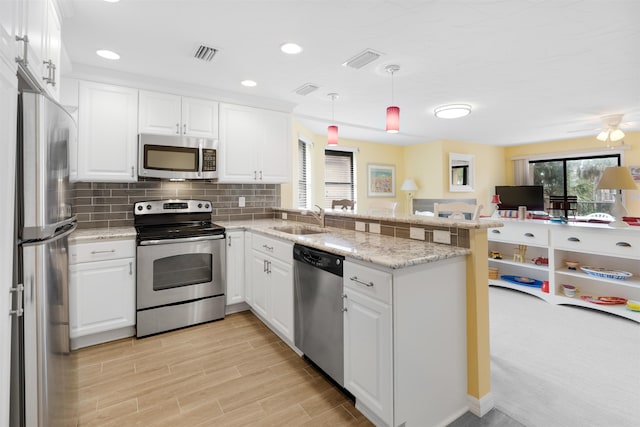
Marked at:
<point>177,157</point>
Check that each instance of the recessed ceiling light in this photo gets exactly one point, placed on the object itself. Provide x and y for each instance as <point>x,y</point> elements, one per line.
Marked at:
<point>248,83</point>
<point>107,54</point>
<point>452,111</point>
<point>291,48</point>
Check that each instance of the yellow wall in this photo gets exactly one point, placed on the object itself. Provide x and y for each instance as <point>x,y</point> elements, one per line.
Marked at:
<point>630,157</point>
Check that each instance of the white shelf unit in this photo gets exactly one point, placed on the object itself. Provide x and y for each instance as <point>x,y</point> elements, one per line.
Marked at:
<point>588,244</point>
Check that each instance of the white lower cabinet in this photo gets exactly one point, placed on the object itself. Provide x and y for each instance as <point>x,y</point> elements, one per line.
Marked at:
<point>102,288</point>
<point>368,351</point>
<point>235,267</point>
<point>405,342</point>
<point>271,284</point>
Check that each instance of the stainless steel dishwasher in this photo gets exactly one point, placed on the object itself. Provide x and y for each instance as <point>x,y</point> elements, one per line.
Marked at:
<point>318,309</point>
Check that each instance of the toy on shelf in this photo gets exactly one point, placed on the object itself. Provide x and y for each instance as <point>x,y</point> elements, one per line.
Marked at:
<point>520,255</point>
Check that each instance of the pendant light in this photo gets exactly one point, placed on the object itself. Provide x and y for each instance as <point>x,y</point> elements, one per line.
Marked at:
<point>393,112</point>
<point>332,130</point>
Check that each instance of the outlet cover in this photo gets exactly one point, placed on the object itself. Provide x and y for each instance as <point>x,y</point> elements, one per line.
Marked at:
<point>441,236</point>
<point>416,233</point>
<point>241,201</point>
<point>374,228</point>
<point>284,215</point>
<point>361,226</point>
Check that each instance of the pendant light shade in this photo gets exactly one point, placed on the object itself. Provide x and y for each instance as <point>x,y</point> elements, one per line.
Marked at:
<point>332,135</point>
<point>393,112</point>
<point>393,119</point>
<point>332,130</point>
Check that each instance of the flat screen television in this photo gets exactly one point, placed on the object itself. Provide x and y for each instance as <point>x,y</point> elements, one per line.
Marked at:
<point>512,196</point>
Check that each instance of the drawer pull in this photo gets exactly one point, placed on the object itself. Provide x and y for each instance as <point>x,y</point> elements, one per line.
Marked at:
<point>495,231</point>
<point>573,239</point>
<point>103,252</point>
<point>269,248</point>
<point>623,244</point>
<point>355,279</point>
<point>529,235</point>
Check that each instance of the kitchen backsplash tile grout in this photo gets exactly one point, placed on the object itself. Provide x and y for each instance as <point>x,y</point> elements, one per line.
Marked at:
<point>104,205</point>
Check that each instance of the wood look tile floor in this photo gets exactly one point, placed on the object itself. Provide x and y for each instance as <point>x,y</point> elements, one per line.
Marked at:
<point>233,372</point>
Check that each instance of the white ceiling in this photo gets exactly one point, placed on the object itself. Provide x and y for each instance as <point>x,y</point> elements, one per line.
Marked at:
<point>533,70</point>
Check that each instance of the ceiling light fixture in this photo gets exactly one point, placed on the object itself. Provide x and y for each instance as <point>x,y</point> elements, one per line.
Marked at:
<point>332,130</point>
<point>248,83</point>
<point>452,111</point>
<point>393,112</point>
<point>108,54</point>
<point>291,48</point>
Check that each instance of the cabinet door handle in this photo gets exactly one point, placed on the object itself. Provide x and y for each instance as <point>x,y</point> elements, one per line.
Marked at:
<point>177,128</point>
<point>264,266</point>
<point>25,49</point>
<point>529,235</point>
<point>229,241</point>
<point>255,175</point>
<point>103,252</point>
<point>623,244</point>
<point>495,231</point>
<point>355,279</point>
<point>344,310</point>
<point>132,171</point>
<point>260,175</point>
<point>269,266</point>
<point>573,239</point>
<point>130,268</point>
<point>184,129</point>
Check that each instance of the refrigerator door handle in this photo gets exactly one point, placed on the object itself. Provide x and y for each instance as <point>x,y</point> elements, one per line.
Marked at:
<point>51,232</point>
<point>19,290</point>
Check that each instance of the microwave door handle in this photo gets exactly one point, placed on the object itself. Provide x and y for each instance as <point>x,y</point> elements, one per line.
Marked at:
<point>200,159</point>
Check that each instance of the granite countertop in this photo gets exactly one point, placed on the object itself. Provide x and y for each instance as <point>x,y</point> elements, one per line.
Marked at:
<point>97,234</point>
<point>378,249</point>
<point>391,252</point>
<point>482,223</point>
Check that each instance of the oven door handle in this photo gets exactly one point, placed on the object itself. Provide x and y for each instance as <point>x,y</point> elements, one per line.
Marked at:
<point>184,240</point>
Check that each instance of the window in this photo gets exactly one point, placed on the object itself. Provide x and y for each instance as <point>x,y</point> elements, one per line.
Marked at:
<point>304,166</point>
<point>339,182</point>
<point>570,184</point>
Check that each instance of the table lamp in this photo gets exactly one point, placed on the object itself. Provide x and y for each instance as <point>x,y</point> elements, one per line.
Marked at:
<point>409,185</point>
<point>495,200</point>
<point>617,178</point>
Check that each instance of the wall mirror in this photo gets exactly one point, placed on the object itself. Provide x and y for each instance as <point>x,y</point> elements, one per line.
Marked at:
<point>461,172</point>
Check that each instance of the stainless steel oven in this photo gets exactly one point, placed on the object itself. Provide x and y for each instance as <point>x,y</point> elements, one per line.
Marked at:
<point>180,265</point>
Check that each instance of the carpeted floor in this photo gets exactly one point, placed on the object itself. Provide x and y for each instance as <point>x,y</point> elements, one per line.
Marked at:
<point>563,366</point>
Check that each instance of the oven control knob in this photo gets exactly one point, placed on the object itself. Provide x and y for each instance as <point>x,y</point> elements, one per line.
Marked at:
<point>206,206</point>
<point>148,207</point>
<point>139,207</point>
<point>199,205</point>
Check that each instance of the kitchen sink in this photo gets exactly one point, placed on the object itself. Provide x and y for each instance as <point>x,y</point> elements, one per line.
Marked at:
<point>299,229</point>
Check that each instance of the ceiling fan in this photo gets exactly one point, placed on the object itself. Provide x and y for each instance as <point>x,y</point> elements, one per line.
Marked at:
<point>611,131</point>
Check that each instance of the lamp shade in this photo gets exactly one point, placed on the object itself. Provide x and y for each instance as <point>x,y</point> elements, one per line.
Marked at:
<point>393,119</point>
<point>495,199</point>
<point>332,135</point>
<point>616,178</point>
<point>409,185</point>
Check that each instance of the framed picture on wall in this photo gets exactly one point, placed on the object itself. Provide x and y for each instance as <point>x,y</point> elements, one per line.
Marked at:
<point>381,180</point>
<point>635,173</point>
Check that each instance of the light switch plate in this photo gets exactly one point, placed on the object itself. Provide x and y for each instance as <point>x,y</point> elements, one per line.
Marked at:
<point>241,202</point>
<point>284,215</point>
<point>361,226</point>
<point>374,228</point>
<point>416,233</point>
<point>441,236</point>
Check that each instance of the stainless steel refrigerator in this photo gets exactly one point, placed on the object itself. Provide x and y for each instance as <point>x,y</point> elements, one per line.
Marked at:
<point>43,379</point>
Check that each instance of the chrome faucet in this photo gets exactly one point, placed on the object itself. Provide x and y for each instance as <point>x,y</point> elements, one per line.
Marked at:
<point>319,216</point>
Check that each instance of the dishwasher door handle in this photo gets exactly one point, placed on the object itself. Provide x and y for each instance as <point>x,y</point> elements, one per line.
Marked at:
<point>355,279</point>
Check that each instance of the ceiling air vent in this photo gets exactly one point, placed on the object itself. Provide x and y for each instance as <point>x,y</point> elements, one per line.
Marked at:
<point>363,58</point>
<point>306,89</point>
<point>205,53</point>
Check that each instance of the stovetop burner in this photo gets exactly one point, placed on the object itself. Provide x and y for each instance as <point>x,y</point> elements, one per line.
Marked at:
<point>174,219</point>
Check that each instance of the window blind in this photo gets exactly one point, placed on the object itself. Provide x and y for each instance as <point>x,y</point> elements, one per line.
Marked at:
<point>338,176</point>
<point>303,172</point>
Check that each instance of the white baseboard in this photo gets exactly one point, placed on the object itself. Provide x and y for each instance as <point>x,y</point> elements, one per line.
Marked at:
<point>236,308</point>
<point>102,337</point>
<point>480,406</point>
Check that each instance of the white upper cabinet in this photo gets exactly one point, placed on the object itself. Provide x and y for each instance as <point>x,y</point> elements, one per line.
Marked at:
<point>255,145</point>
<point>166,114</point>
<point>8,29</point>
<point>41,49</point>
<point>107,136</point>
